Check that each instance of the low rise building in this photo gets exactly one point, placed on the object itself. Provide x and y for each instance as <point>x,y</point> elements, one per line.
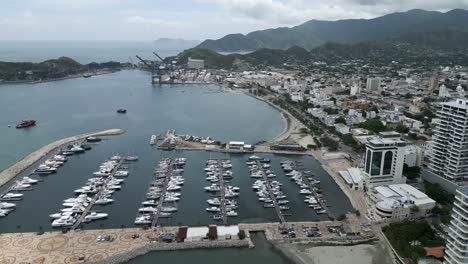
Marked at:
<point>398,202</point>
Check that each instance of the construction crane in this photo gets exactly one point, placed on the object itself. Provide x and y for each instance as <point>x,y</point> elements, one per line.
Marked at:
<point>155,78</point>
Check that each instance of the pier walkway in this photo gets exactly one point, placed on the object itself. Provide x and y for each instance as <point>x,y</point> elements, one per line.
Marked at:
<point>167,177</point>
<point>222,191</point>
<point>306,180</point>
<point>270,192</point>
<point>96,196</point>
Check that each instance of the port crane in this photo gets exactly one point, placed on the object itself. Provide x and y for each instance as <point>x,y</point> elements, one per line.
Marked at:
<point>154,68</point>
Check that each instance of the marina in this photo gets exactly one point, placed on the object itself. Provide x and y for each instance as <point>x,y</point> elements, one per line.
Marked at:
<point>55,190</point>
<point>268,191</point>
<point>309,187</point>
<point>222,201</point>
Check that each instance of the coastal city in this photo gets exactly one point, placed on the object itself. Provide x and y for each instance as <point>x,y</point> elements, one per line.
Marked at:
<point>311,143</point>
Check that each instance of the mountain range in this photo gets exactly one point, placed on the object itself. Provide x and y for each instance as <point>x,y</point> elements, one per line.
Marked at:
<point>314,33</point>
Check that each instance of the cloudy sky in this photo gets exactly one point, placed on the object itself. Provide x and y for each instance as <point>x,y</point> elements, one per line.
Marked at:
<point>135,20</point>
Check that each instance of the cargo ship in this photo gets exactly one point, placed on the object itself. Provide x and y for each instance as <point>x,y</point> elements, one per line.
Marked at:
<point>26,123</point>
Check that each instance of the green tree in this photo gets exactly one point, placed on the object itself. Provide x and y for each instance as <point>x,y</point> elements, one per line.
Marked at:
<point>400,128</point>
<point>374,125</point>
<point>340,120</point>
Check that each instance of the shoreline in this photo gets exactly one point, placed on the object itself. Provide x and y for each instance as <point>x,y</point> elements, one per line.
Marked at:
<point>291,122</point>
<point>9,173</point>
<point>70,77</point>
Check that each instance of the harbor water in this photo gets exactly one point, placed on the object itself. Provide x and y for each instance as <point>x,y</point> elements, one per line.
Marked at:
<point>75,106</point>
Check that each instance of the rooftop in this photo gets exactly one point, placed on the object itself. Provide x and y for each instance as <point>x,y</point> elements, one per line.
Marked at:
<point>459,103</point>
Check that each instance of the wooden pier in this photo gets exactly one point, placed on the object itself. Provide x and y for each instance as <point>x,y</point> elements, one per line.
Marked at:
<point>96,196</point>
<point>270,192</point>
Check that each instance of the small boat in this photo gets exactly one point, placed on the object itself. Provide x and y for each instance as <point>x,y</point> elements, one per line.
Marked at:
<point>121,111</point>
<point>255,158</point>
<point>93,139</point>
<point>26,123</point>
<point>217,217</point>
<point>131,158</point>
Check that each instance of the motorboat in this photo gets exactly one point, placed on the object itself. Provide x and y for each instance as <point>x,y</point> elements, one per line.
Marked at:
<point>231,213</point>
<point>29,180</point>
<point>148,209</point>
<point>19,186</point>
<point>305,191</point>
<point>143,220</point>
<point>12,197</point>
<point>213,209</point>
<point>93,139</point>
<point>214,201</point>
<point>212,188</point>
<point>5,205</point>
<point>255,158</point>
<point>131,158</point>
<point>168,209</point>
<point>217,217</point>
<point>76,149</point>
<point>104,200</point>
<point>43,169</point>
<point>121,173</point>
<point>64,221</point>
<point>95,216</point>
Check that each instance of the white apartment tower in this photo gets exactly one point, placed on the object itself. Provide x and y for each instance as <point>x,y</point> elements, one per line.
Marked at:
<point>450,142</point>
<point>385,156</point>
<point>457,242</point>
<point>373,85</point>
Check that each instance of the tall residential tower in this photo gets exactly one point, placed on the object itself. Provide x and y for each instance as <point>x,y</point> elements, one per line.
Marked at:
<point>450,142</point>
<point>457,241</point>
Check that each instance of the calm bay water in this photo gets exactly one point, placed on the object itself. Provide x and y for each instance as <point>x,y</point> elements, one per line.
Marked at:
<point>72,107</point>
<point>81,51</point>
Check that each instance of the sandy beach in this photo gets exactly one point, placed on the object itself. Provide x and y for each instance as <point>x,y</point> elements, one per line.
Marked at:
<point>27,161</point>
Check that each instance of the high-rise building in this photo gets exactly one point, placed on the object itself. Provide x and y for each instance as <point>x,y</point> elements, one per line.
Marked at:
<point>373,85</point>
<point>450,142</point>
<point>457,242</point>
<point>385,156</point>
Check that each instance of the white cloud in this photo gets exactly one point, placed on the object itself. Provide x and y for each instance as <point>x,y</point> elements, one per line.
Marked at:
<point>292,12</point>
<point>152,21</point>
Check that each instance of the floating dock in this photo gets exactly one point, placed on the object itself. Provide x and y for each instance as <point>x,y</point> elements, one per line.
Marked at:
<point>270,192</point>
<point>96,196</point>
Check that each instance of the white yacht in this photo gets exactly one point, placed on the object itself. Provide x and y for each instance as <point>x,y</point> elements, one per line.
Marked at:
<point>12,197</point>
<point>29,180</point>
<point>4,205</point>
<point>104,200</point>
<point>95,216</point>
<point>213,209</point>
<point>63,221</point>
<point>231,213</point>
<point>168,209</point>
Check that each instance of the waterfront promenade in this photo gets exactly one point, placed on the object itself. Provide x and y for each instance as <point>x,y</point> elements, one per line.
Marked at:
<point>127,243</point>
<point>30,159</point>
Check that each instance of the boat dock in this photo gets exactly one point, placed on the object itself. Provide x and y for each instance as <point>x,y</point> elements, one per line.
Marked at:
<point>166,175</point>
<point>270,192</point>
<point>96,196</point>
<point>222,191</point>
<point>312,188</point>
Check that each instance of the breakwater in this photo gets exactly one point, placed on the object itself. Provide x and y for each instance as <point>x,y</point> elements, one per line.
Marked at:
<point>9,173</point>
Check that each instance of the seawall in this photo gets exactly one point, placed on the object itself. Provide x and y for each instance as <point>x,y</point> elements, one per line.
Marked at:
<point>9,173</point>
